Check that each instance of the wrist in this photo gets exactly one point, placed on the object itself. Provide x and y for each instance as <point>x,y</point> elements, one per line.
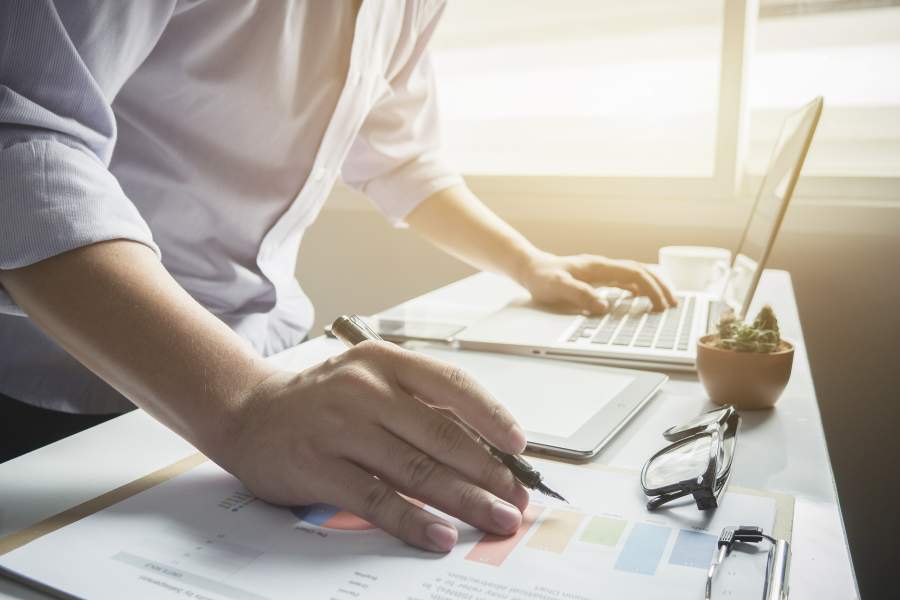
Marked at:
<point>224,436</point>
<point>527,263</point>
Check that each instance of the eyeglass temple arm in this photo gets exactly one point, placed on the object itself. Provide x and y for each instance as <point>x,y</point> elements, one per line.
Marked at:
<point>655,503</point>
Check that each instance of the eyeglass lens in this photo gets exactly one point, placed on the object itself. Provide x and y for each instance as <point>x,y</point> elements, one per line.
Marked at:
<point>683,461</point>
<point>726,453</point>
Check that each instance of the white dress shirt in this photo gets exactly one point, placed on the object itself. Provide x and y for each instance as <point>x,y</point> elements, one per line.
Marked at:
<point>211,131</point>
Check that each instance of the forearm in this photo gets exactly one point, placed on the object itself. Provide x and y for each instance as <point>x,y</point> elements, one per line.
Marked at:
<point>458,222</point>
<point>116,309</point>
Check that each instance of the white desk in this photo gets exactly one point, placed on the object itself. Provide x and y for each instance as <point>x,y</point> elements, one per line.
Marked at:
<point>782,450</point>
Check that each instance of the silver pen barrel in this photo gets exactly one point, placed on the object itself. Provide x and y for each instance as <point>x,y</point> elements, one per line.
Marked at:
<point>352,330</point>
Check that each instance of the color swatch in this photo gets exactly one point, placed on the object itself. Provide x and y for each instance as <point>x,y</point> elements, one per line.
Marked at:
<point>603,531</point>
<point>643,549</point>
<point>693,549</point>
<point>493,549</point>
<point>555,531</point>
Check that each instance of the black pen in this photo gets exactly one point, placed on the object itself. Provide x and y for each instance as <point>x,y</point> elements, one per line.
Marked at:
<point>352,330</point>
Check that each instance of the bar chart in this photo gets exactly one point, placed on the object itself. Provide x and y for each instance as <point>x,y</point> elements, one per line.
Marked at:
<point>632,546</point>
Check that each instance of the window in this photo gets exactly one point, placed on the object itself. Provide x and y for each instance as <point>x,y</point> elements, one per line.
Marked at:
<point>580,87</point>
<point>613,89</point>
<point>847,51</point>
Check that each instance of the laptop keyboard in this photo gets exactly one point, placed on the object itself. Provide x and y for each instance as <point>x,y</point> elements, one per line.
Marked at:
<point>629,323</point>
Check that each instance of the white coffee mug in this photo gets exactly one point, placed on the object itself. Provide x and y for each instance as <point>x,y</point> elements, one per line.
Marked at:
<point>693,268</point>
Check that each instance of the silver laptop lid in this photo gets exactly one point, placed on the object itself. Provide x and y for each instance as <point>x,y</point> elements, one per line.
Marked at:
<point>770,206</point>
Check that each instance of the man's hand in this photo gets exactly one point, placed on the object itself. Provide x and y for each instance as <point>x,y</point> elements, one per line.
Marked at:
<point>353,431</point>
<point>571,280</point>
<point>358,431</point>
<point>455,220</point>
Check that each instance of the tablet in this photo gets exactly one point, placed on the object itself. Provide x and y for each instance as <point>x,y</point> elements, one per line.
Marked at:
<point>566,408</point>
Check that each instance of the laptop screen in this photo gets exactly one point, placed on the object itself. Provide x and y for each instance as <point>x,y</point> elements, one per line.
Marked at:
<point>771,204</point>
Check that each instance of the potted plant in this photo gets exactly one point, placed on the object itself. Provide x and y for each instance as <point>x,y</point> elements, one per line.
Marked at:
<point>745,364</point>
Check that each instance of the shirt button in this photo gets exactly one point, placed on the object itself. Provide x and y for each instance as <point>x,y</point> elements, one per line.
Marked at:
<point>356,79</point>
<point>319,173</point>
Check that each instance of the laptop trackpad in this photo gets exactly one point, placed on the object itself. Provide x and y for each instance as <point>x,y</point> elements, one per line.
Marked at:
<point>520,323</point>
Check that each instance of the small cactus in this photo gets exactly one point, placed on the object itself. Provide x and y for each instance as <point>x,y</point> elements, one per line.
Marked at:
<point>727,324</point>
<point>761,336</point>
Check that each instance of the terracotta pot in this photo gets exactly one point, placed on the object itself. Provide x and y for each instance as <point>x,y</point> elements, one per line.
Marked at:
<point>747,380</point>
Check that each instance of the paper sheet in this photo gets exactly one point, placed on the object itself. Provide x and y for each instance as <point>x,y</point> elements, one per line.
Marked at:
<point>201,535</point>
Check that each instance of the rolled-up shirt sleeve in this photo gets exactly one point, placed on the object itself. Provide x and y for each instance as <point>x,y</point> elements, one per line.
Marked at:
<point>61,66</point>
<point>395,159</point>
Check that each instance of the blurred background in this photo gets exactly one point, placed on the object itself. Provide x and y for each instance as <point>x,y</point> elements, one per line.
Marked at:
<point>617,127</point>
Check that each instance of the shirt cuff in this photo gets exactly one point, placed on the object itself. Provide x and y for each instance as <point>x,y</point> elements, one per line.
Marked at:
<point>58,198</point>
<point>398,192</point>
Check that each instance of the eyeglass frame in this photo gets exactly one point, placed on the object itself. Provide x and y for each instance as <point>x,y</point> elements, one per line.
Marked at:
<point>708,486</point>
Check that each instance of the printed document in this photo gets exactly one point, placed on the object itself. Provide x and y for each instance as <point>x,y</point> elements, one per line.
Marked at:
<point>201,535</point>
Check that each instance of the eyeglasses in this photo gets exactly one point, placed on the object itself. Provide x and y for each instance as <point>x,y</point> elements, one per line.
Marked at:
<point>697,462</point>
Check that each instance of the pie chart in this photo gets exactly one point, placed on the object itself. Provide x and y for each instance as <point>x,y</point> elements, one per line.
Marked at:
<point>327,516</point>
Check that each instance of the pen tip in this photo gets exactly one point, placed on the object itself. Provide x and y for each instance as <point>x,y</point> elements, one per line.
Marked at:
<point>548,492</point>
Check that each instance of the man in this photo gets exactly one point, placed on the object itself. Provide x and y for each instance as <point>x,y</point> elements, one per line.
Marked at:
<point>160,162</point>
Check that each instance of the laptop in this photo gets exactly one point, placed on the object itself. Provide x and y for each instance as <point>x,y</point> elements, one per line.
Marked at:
<point>629,334</point>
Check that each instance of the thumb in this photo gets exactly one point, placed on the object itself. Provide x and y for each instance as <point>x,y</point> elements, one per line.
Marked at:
<point>582,295</point>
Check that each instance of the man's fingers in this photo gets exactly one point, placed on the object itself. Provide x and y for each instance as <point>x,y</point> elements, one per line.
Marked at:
<point>437,435</point>
<point>624,272</point>
<point>652,289</point>
<point>630,287</point>
<point>446,386</point>
<point>670,296</point>
<point>421,476</point>
<point>378,503</point>
<point>582,295</point>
